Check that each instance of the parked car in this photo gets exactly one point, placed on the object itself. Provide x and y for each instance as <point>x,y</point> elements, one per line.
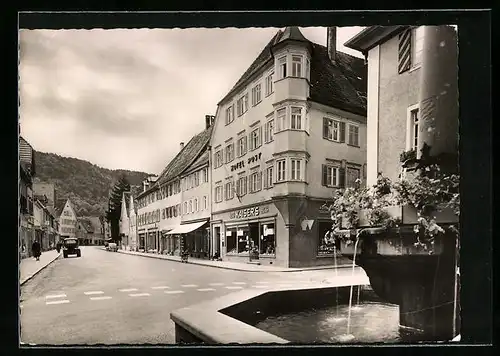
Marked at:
<point>113,247</point>
<point>70,247</point>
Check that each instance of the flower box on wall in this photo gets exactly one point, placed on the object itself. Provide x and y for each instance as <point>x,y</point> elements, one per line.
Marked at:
<point>407,214</point>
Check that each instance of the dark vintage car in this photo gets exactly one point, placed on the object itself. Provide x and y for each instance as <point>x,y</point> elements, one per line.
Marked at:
<point>70,247</point>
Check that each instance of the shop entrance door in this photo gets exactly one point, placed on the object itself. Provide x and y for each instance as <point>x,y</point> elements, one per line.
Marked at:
<point>253,241</point>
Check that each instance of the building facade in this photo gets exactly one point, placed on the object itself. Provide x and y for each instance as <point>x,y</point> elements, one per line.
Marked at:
<point>171,209</point>
<point>124,223</point>
<point>290,131</point>
<point>132,221</point>
<point>67,218</point>
<point>44,223</point>
<point>26,220</point>
<point>399,71</point>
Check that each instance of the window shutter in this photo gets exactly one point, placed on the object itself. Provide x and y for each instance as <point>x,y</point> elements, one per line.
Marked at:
<point>341,177</point>
<point>260,180</point>
<point>260,136</point>
<point>324,175</point>
<point>325,128</point>
<point>342,132</point>
<point>404,51</point>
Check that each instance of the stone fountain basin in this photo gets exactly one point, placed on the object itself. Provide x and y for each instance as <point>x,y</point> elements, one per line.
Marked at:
<point>230,319</point>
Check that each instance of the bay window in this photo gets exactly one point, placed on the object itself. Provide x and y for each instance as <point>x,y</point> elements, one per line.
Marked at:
<point>295,165</point>
<point>296,119</point>
<point>281,119</point>
<point>282,68</point>
<point>280,170</point>
<point>296,66</point>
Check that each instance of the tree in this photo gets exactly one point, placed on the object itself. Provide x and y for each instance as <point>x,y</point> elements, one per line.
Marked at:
<point>114,206</point>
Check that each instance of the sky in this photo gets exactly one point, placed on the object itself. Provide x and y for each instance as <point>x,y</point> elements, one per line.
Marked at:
<point>126,98</point>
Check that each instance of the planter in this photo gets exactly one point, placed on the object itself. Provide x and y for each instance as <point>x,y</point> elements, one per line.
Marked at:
<point>407,214</point>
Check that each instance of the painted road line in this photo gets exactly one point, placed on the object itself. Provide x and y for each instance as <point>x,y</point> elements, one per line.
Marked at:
<point>234,287</point>
<point>263,282</point>
<point>105,297</point>
<point>239,283</point>
<point>128,290</point>
<point>94,292</point>
<point>205,289</point>
<point>215,284</point>
<point>55,296</point>
<point>260,286</point>
<point>139,295</point>
<point>174,291</point>
<point>285,285</point>
<point>62,301</point>
<point>189,285</point>
<point>160,287</point>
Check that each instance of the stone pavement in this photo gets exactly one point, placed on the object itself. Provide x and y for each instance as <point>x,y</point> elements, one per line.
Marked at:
<point>237,266</point>
<point>29,266</point>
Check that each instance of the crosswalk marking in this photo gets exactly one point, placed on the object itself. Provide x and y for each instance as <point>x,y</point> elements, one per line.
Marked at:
<point>262,282</point>
<point>139,295</point>
<point>94,292</point>
<point>260,286</point>
<point>128,290</point>
<point>189,285</point>
<point>105,297</point>
<point>216,284</point>
<point>205,289</point>
<point>56,296</point>
<point>239,282</point>
<point>160,287</point>
<point>174,291</point>
<point>62,301</point>
<point>234,287</point>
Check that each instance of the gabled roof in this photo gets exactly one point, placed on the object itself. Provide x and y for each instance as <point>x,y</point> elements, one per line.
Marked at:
<point>186,157</point>
<point>200,161</point>
<point>341,84</point>
<point>59,206</point>
<point>86,224</point>
<point>96,223</point>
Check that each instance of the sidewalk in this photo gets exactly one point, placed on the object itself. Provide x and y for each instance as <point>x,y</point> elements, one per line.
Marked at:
<point>29,266</point>
<point>237,266</point>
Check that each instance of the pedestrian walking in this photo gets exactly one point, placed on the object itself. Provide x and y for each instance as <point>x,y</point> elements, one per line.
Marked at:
<point>36,250</point>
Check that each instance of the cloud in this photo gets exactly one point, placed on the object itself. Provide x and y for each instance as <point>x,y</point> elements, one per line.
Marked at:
<point>126,98</point>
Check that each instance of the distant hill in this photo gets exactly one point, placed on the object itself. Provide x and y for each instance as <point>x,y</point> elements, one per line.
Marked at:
<point>86,184</point>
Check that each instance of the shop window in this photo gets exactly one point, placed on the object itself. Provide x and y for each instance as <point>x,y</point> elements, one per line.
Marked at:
<point>267,239</point>
<point>231,246</point>
<point>326,241</point>
<point>242,234</point>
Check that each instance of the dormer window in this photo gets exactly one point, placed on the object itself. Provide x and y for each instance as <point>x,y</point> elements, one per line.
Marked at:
<point>296,66</point>
<point>282,67</point>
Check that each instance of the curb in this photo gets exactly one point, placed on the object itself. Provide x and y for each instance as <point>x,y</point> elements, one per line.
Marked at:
<point>236,269</point>
<point>34,274</point>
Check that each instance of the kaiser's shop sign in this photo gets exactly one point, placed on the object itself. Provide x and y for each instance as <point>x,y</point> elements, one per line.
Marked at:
<point>249,212</point>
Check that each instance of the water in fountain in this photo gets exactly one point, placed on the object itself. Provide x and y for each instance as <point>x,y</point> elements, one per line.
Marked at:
<point>337,318</point>
<point>348,336</point>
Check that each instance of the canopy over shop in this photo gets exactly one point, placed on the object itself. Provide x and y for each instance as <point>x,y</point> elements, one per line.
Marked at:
<point>192,237</point>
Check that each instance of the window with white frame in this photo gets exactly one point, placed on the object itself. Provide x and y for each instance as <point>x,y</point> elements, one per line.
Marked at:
<point>308,68</point>
<point>229,114</point>
<point>333,130</point>
<point>353,135</point>
<point>296,118</point>
<point>282,68</point>
<point>241,147</point>
<point>205,175</point>
<point>331,176</point>
<point>255,181</point>
<point>269,131</point>
<point>280,119</point>
<point>269,84</point>
<point>229,189</point>
<point>417,46</point>
<point>295,169</point>
<point>218,192</point>
<point>218,159</point>
<point>268,180</point>
<point>256,94</point>
<point>229,152</point>
<point>255,138</point>
<point>242,105</point>
<point>280,170</point>
<point>296,66</point>
<point>196,178</point>
<point>241,185</point>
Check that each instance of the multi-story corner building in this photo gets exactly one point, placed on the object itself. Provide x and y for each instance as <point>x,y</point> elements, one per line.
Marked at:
<point>174,205</point>
<point>67,219</point>
<point>292,129</point>
<point>412,76</point>
<point>26,174</point>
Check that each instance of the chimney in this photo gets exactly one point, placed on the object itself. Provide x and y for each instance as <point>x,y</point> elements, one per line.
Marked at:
<point>181,146</point>
<point>209,120</point>
<point>331,43</point>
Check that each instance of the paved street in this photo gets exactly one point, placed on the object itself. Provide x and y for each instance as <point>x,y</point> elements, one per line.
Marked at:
<point>111,298</point>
